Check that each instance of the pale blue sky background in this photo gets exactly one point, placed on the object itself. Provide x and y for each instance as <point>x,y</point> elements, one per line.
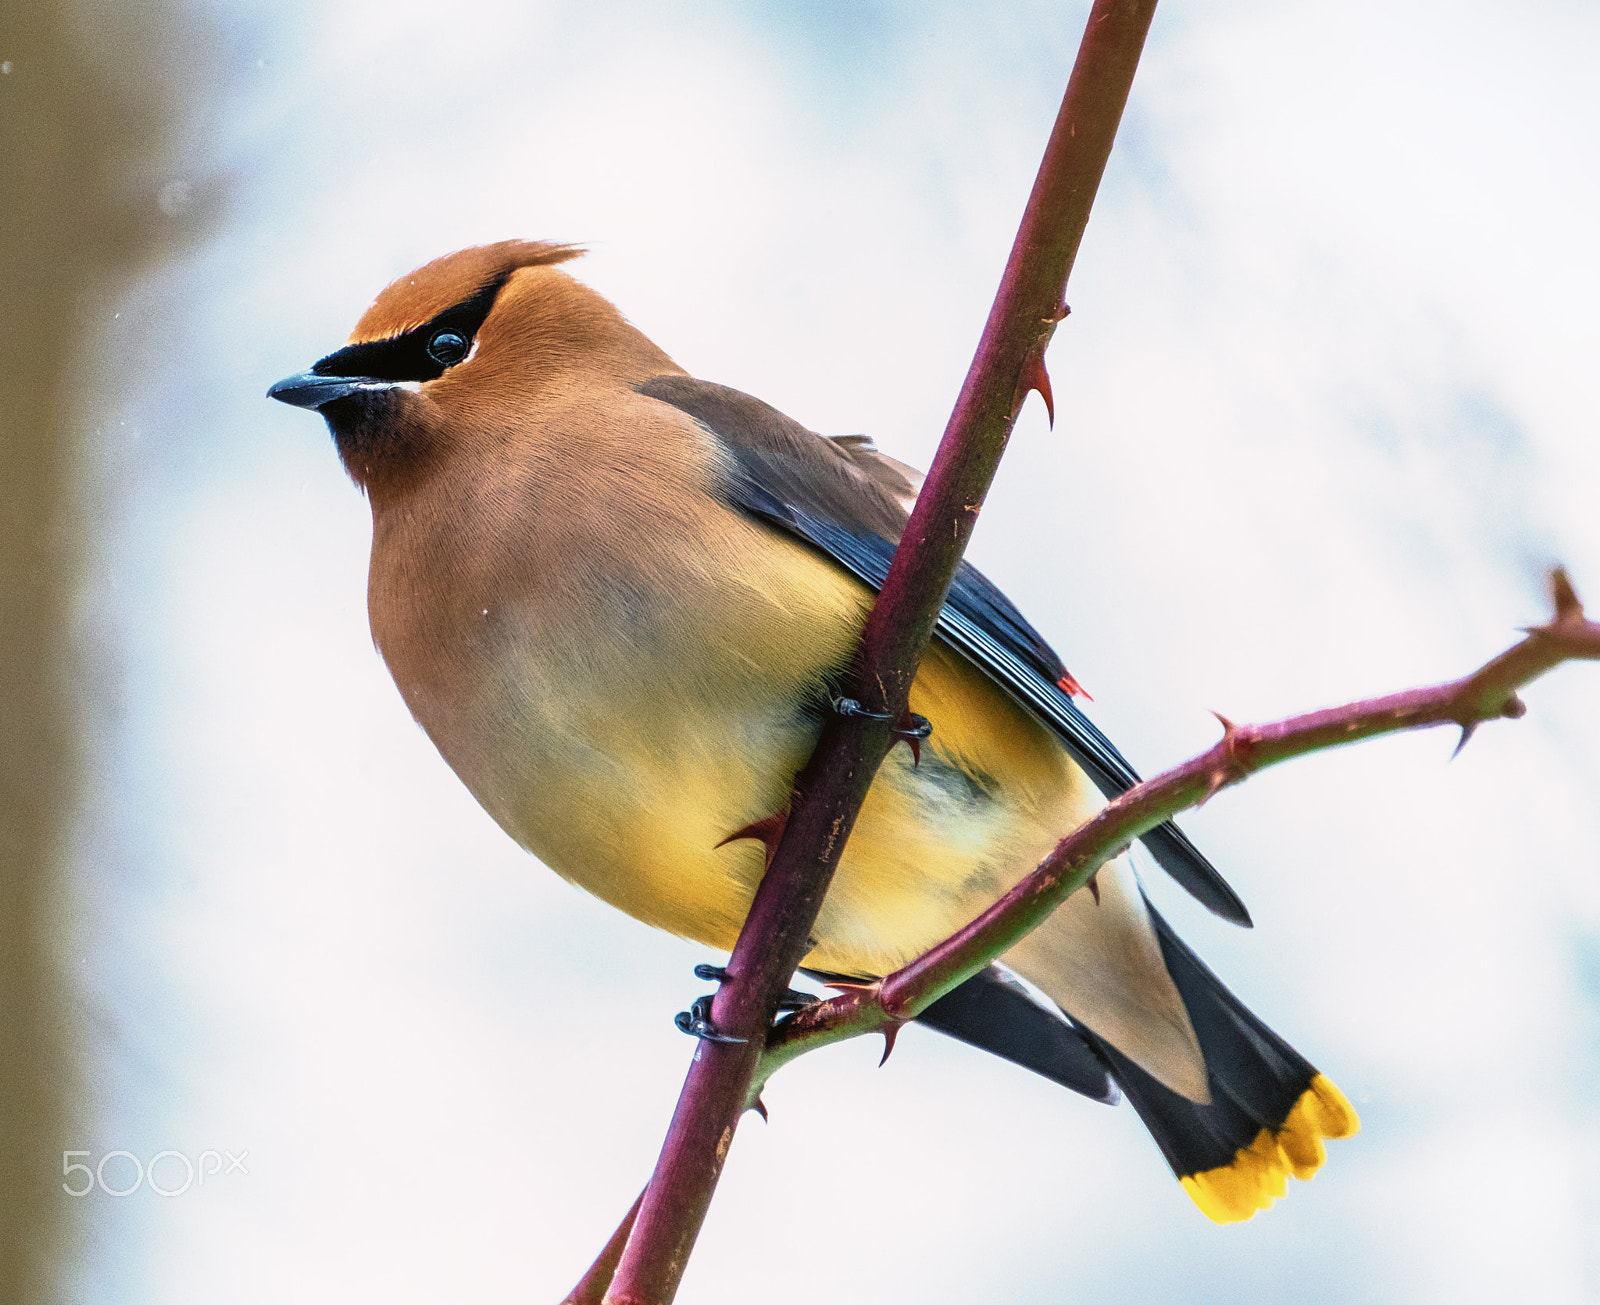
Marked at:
<point>1326,410</point>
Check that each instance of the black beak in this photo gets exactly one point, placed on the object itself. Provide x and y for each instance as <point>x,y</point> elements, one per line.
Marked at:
<point>311,390</point>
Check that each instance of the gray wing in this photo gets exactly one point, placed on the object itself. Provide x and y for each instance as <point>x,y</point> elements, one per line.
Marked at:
<point>850,502</point>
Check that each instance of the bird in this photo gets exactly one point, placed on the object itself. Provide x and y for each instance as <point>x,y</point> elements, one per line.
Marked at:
<point>621,601</point>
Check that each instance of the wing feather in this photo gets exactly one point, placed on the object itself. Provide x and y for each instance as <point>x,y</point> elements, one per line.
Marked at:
<point>849,502</point>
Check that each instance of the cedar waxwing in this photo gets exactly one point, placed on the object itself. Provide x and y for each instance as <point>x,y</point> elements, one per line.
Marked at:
<point>620,600</point>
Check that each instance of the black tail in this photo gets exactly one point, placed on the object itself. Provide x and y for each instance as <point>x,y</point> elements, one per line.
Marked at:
<point>1269,1107</point>
<point>991,1010</point>
<point>1269,1110</point>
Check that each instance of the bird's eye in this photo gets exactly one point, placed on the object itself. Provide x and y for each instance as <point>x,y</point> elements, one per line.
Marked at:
<point>447,348</point>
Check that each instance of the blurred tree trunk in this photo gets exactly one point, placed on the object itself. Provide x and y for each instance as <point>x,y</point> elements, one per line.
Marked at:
<point>84,125</point>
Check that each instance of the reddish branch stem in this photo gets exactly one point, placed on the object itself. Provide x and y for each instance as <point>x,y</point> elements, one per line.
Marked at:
<point>592,1289</point>
<point>1487,694</point>
<point>829,790</point>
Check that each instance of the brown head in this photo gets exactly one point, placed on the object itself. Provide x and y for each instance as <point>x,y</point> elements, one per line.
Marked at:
<point>453,351</point>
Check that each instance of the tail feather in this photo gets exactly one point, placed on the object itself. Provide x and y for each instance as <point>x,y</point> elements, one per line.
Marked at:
<point>1269,1111</point>
<point>994,1012</point>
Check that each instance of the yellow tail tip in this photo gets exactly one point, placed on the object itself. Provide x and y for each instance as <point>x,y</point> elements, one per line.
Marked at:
<point>1259,1173</point>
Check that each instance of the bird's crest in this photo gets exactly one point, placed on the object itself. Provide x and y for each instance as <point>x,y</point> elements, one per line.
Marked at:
<point>447,281</point>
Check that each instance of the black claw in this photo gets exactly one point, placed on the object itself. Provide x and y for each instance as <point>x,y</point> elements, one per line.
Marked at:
<point>792,999</point>
<point>909,726</point>
<point>850,707</point>
<point>697,1019</point>
<point>700,1028</point>
<point>916,727</point>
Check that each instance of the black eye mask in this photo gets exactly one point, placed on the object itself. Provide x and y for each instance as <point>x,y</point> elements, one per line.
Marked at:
<point>423,352</point>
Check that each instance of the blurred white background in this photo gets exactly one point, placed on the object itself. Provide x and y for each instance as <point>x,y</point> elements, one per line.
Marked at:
<point>1326,412</point>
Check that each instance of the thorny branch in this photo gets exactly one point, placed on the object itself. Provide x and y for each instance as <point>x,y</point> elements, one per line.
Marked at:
<point>829,790</point>
<point>1489,693</point>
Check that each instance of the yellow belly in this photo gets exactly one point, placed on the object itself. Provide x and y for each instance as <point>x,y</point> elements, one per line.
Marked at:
<point>938,843</point>
<point>623,734</point>
<point>935,843</point>
<point>623,754</point>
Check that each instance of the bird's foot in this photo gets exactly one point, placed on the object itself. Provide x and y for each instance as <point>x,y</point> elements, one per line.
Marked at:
<point>696,1021</point>
<point>792,999</point>
<point>910,729</point>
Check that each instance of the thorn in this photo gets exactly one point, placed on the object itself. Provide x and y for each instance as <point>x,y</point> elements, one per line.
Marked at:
<point>767,831</point>
<point>1223,775</point>
<point>760,1107</point>
<point>1068,684</point>
<point>1094,887</point>
<point>890,1033</point>
<point>1568,608</point>
<point>1467,731</point>
<point>1034,377</point>
<point>911,729</point>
